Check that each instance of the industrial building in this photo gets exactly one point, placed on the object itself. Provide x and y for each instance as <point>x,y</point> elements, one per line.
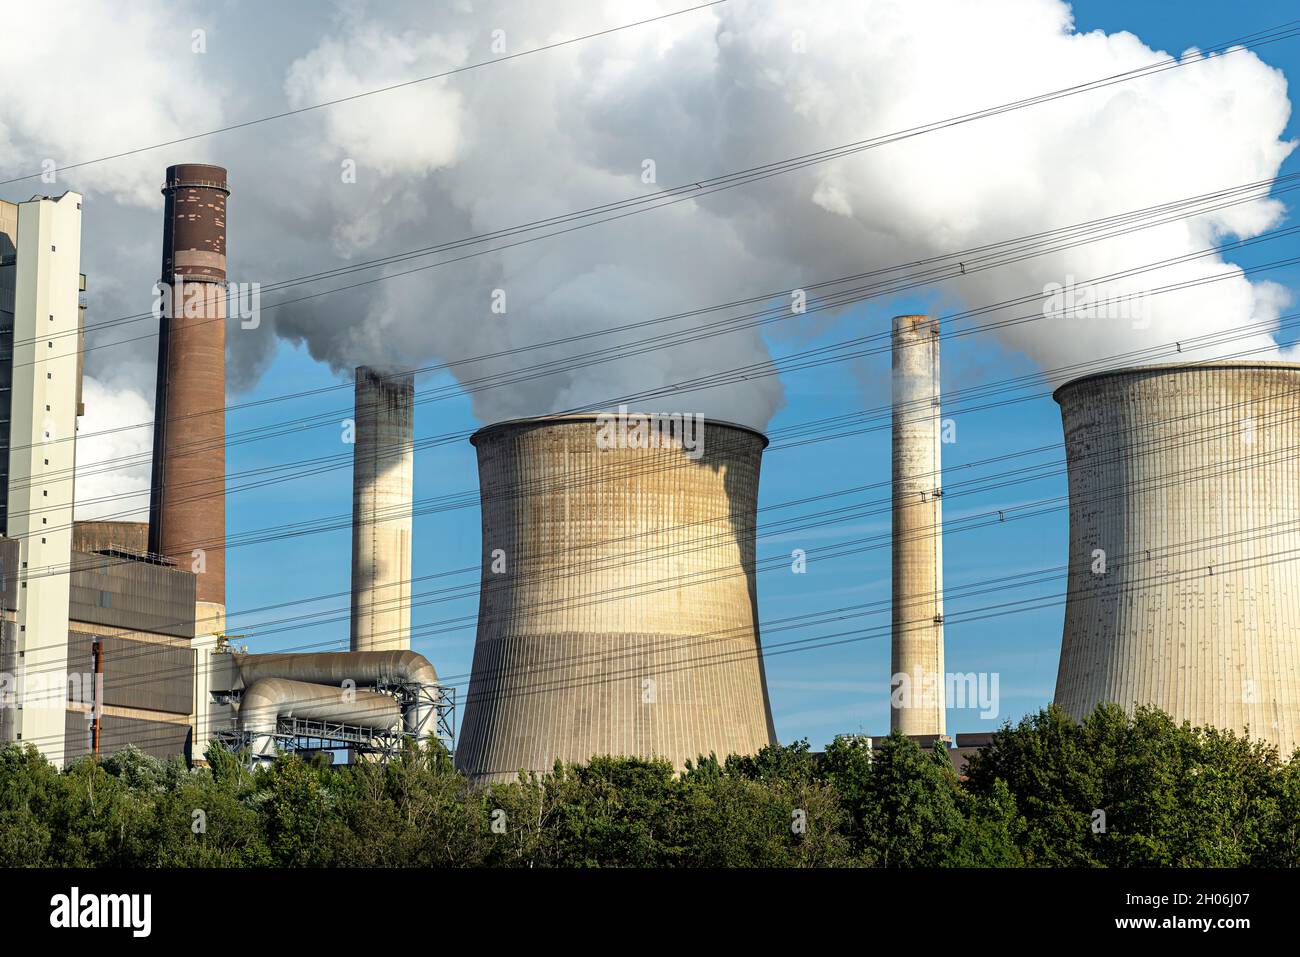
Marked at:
<point>131,625</point>
<point>618,609</point>
<point>1184,590</point>
<point>40,323</point>
<point>618,606</point>
<point>113,632</point>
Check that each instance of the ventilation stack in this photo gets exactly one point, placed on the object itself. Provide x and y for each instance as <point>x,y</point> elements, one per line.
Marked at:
<point>383,464</point>
<point>187,512</point>
<point>1184,581</point>
<point>917,701</point>
<point>618,609</point>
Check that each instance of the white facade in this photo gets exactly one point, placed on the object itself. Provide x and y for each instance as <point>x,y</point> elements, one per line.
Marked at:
<point>42,454</point>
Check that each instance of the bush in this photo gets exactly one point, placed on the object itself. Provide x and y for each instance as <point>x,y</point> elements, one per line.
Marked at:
<point>1114,791</point>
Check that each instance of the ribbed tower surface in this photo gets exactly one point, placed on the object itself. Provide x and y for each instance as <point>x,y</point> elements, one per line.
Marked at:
<point>1184,581</point>
<point>618,611</point>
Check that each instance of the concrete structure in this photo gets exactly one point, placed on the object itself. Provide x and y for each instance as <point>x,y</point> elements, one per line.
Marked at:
<point>141,615</point>
<point>40,322</point>
<point>383,462</point>
<point>618,610</point>
<point>187,516</point>
<point>136,617</point>
<point>107,536</point>
<point>1184,582</point>
<point>916,658</point>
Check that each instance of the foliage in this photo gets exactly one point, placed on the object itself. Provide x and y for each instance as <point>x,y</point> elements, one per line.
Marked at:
<point>1116,790</point>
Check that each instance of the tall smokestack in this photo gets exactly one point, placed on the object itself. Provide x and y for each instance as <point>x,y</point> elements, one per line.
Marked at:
<point>187,512</point>
<point>383,459</point>
<point>917,631</point>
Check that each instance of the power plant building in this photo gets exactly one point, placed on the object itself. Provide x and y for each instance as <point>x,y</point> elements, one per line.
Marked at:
<point>618,607</point>
<point>1184,584</point>
<point>112,633</point>
<point>40,324</point>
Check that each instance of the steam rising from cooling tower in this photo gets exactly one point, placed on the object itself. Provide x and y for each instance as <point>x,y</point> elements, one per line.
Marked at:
<point>618,610</point>
<point>1184,585</point>
<point>187,512</point>
<point>382,476</point>
<point>917,626</point>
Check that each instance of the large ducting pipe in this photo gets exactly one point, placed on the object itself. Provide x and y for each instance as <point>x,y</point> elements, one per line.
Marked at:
<point>382,476</point>
<point>364,668</point>
<point>187,512</point>
<point>1184,581</point>
<point>917,628</point>
<point>618,610</point>
<point>373,669</point>
<point>266,700</point>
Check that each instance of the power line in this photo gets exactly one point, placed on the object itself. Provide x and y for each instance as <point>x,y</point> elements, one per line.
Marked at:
<point>357,96</point>
<point>835,639</point>
<point>963,262</point>
<point>780,561</point>
<point>768,367</point>
<point>706,186</point>
<point>784,364</point>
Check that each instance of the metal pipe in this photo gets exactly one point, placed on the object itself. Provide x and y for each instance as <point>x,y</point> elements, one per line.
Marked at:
<point>362,668</point>
<point>99,696</point>
<point>266,700</point>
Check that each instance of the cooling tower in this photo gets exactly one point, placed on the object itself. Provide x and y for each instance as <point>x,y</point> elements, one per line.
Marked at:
<point>1184,582</point>
<point>916,659</point>
<point>382,474</point>
<point>617,610</point>
<point>187,513</point>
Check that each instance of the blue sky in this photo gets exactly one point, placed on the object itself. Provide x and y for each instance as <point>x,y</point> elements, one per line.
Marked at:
<point>702,94</point>
<point>816,692</point>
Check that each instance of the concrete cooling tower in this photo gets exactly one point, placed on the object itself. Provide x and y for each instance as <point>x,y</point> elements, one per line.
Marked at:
<point>1184,581</point>
<point>618,612</point>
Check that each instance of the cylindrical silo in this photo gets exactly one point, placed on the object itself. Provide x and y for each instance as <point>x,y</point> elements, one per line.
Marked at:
<point>187,511</point>
<point>917,682</point>
<point>618,611</point>
<point>1184,581</point>
<point>383,466</point>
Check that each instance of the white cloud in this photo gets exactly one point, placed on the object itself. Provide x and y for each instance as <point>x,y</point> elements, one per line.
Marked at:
<point>119,489</point>
<point>701,94</point>
<point>750,83</point>
<point>84,80</point>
